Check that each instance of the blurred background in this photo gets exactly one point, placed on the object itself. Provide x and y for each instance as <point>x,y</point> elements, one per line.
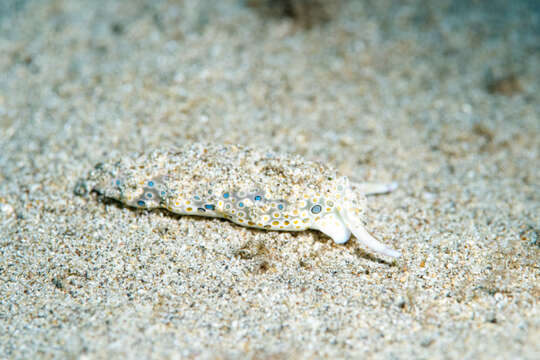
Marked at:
<point>441,96</point>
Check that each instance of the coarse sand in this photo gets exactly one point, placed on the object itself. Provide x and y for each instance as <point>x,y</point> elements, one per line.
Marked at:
<point>442,97</point>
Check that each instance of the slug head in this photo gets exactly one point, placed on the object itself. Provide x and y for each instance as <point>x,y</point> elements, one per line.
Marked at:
<point>346,217</point>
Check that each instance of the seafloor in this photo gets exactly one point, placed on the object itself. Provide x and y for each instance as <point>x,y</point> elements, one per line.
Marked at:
<point>441,96</point>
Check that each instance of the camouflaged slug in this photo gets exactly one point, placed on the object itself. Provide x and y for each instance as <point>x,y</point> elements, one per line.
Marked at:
<point>250,188</point>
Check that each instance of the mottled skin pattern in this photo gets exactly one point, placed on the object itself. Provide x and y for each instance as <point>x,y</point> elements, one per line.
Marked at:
<point>261,190</point>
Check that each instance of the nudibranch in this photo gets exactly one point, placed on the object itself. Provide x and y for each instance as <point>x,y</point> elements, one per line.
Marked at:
<point>256,189</point>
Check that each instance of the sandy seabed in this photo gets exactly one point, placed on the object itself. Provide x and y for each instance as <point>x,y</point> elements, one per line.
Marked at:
<point>442,97</point>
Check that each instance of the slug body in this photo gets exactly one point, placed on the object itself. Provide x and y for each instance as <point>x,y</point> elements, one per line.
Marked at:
<point>250,188</point>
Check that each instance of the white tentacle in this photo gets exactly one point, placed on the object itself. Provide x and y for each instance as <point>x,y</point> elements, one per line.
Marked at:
<point>369,241</point>
<point>350,215</point>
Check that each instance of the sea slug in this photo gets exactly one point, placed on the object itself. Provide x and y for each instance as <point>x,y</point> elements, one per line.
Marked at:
<point>256,189</point>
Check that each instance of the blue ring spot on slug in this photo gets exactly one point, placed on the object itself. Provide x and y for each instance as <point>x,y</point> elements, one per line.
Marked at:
<point>241,204</point>
<point>150,183</point>
<point>226,195</point>
<point>280,207</point>
<point>149,195</point>
<point>257,198</point>
<point>140,203</point>
<point>209,206</point>
<point>118,182</point>
<point>163,193</point>
<point>316,209</point>
<point>196,197</point>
